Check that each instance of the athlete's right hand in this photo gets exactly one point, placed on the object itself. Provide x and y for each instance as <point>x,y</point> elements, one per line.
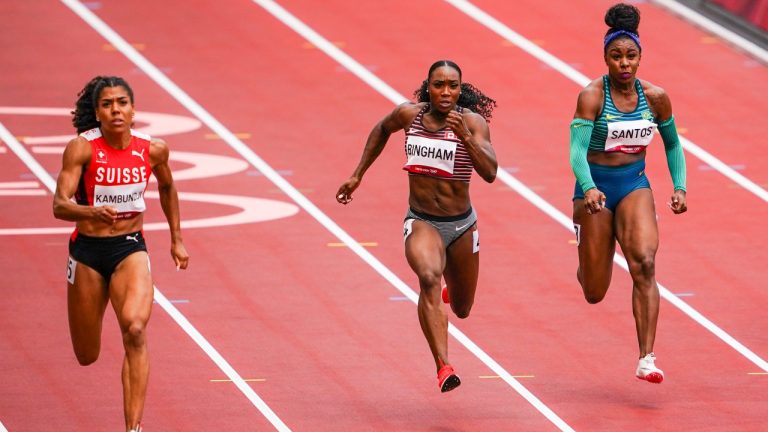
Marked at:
<point>105,214</point>
<point>594,200</point>
<point>344,194</point>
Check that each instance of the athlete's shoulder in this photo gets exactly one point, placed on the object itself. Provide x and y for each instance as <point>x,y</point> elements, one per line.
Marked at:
<point>78,150</point>
<point>590,100</point>
<point>652,91</point>
<point>404,113</point>
<point>594,88</point>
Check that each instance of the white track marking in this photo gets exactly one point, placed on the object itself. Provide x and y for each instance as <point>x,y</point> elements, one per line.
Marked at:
<point>713,27</point>
<point>387,91</point>
<point>184,99</point>
<point>555,63</point>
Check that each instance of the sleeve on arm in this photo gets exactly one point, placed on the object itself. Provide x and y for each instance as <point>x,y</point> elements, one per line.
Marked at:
<point>581,132</point>
<point>674,150</point>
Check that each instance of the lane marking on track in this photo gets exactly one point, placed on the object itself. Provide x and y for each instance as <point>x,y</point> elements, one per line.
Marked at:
<point>700,20</point>
<point>496,376</point>
<point>364,244</point>
<point>244,379</point>
<point>2,428</point>
<point>526,192</point>
<point>565,69</point>
<point>184,99</point>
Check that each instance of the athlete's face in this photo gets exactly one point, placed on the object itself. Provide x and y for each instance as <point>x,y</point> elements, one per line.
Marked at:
<point>623,59</point>
<point>444,88</point>
<point>114,109</point>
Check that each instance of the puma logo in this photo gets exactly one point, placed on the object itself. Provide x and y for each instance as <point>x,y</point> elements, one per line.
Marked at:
<point>135,237</point>
<point>139,154</point>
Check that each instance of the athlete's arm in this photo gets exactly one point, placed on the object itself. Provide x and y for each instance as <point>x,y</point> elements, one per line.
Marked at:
<point>474,132</point>
<point>77,154</point>
<point>377,139</point>
<point>169,199</point>
<point>588,107</point>
<point>662,107</point>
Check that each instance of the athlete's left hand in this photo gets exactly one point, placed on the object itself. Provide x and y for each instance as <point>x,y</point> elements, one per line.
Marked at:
<point>678,203</point>
<point>455,121</point>
<point>179,255</point>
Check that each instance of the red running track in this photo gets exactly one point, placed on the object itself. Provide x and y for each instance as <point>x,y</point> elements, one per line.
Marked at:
<point>335,351</point>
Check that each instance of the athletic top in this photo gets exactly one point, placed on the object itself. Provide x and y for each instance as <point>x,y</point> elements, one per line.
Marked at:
<point>116,178</point>
<point>619,131</point>
<point>438,154</point>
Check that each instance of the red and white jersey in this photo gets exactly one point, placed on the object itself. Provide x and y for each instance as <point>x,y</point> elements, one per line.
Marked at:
<point>438,154</point>
<point>114,177</point>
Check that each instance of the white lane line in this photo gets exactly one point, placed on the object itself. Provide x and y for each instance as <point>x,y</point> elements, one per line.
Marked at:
<point>713,27</point>
<point>507,33</point>
<point>2,428</point>
<point>37,169</point>
<point>184,99</point>
<point>177,316</point>
<point>19,185</point>
<point>384,89</point>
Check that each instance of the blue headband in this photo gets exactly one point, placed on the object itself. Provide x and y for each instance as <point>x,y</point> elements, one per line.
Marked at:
<point>611,36</point>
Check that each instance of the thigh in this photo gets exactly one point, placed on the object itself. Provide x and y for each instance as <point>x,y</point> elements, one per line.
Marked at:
<point>462,266</point>
<point>596,242</point>
<point>424,249</point>
<point>636,227</point>
<point>131,290</point>
<point>87,299</point>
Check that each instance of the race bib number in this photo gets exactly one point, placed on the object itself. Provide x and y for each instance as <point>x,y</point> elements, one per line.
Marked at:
<point>475,241</point>
<point>429,156</point>
<point>407,228</point>
<point>127,198</point>
<point>629,136</point>
<point>71,264</point>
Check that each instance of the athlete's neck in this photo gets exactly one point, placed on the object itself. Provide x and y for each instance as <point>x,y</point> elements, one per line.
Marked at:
<point>117,140</point>
<point>625,89</point>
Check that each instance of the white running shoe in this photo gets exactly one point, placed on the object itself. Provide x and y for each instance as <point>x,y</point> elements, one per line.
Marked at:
<point>647,370</point>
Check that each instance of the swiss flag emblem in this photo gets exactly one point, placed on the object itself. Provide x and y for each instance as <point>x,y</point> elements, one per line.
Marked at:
<point>101,156</point>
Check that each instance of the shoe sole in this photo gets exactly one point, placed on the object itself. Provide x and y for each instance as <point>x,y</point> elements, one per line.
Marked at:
<point>450,383</point>
<point>652,377</point>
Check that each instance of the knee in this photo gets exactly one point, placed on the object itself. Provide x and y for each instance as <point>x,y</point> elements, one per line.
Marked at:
<point>461,311</point>
<point>429,280</point>
<point>593,298</point>
<point>134,335</point>
<point>643,268</point>
<point>594,292</point>
<point>86,358</point>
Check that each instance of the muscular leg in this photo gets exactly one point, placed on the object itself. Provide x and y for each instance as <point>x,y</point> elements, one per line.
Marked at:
<point>86,301</point>
<point>461,271</point>
<point>131,294</point>
<point>638,236</point>
<point>425,253</point>
<point>596,249</point>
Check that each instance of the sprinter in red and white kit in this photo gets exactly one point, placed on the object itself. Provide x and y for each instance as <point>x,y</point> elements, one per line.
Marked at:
<point>105,171</point>
<point>446,138</point>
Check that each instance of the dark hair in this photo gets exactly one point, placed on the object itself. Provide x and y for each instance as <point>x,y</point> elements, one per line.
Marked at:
<point>84,115</point>
<point>622,16</point>
<point>471,97</point>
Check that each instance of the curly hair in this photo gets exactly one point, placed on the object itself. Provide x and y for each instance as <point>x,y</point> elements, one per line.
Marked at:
<point>471,97</point>
<point>622,16</point>
<point>84,115</point>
